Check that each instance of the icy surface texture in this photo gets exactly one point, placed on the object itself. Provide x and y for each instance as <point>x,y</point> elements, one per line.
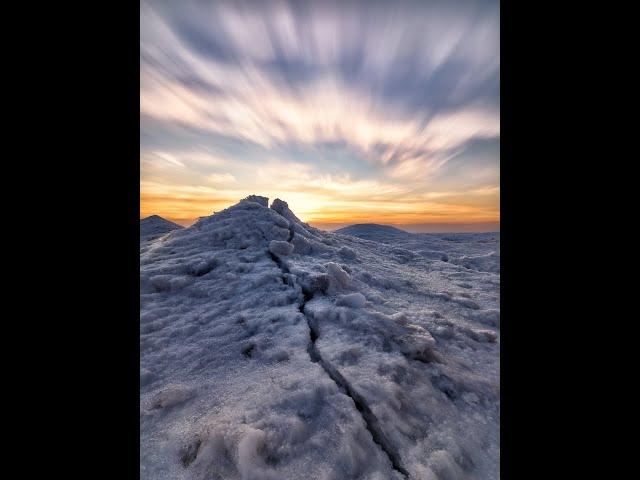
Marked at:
<point>273,350</point>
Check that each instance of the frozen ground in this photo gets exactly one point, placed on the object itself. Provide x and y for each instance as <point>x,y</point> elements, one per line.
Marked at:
<point>273,350</point>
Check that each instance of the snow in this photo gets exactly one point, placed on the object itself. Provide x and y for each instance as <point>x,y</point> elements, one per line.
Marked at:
<point>278,247</point>
<point>274,350</point>
<point>173,395</point>
<point>353,300</point>
<point>155,226</point>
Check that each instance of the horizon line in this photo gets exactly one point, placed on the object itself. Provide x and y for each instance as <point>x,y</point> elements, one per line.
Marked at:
<point>427,227</point>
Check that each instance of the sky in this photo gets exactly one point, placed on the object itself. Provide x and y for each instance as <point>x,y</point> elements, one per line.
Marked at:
<point>351,111</point>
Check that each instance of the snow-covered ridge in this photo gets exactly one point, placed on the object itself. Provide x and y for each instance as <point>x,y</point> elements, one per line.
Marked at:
<point>271,349</point>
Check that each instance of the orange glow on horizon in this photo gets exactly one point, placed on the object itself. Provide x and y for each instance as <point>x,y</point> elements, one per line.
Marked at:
<point>186,208</point>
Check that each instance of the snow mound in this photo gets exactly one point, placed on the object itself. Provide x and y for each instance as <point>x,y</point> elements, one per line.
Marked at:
<point>155,226</point>
<point>274,350</point>
<point>373,231</point>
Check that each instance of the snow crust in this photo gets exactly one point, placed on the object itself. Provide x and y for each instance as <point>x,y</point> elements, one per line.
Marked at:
<point>274,350</point>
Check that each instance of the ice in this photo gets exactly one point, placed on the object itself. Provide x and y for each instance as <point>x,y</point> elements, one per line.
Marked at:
<point>278,247</point>
<point>264,201</point>
<point>274,350</point>
<point>172,395</point>
<point>353,300</point>
<point>251,462</point>
<point>347,253</point>
<point>338,278</point>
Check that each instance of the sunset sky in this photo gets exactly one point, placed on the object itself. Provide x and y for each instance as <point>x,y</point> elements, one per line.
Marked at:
<point>352,112</point>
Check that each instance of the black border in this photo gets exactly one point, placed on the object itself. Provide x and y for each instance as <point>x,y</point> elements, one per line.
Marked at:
<point>76,287</point>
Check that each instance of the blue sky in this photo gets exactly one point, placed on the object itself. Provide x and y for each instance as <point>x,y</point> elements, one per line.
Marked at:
<point>353,112</point>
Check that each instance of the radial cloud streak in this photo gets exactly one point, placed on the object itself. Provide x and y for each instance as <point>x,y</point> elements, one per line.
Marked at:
<point>353,111</point>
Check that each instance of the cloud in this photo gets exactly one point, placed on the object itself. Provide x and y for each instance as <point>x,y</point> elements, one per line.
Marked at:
<point>233,91</point>
<point>221,178</point>
<point>321,197</point>
<point>168,157</point>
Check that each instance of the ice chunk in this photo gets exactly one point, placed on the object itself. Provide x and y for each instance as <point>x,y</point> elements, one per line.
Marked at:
<point>418,345</point>
<point>400,318</point>
<point>302,245</point>
<point>484,336</point>
<point>264,201</point>
<point>353,300</point>
<point>347,253</point>
<point>282,208</point>
<point>338,277</point>
<point>312,283</point>
<point>280,248</point>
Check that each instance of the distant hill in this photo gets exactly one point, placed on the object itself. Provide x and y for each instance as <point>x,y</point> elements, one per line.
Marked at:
<point>155,225</point>
<point>373,231</point>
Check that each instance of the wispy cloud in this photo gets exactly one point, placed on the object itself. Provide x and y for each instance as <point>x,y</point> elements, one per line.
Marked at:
<point>169,158</point>
<point>221,178</point>
<point>344,101</point>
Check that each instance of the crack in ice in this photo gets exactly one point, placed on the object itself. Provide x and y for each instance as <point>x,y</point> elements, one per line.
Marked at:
<point>371,422</point>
